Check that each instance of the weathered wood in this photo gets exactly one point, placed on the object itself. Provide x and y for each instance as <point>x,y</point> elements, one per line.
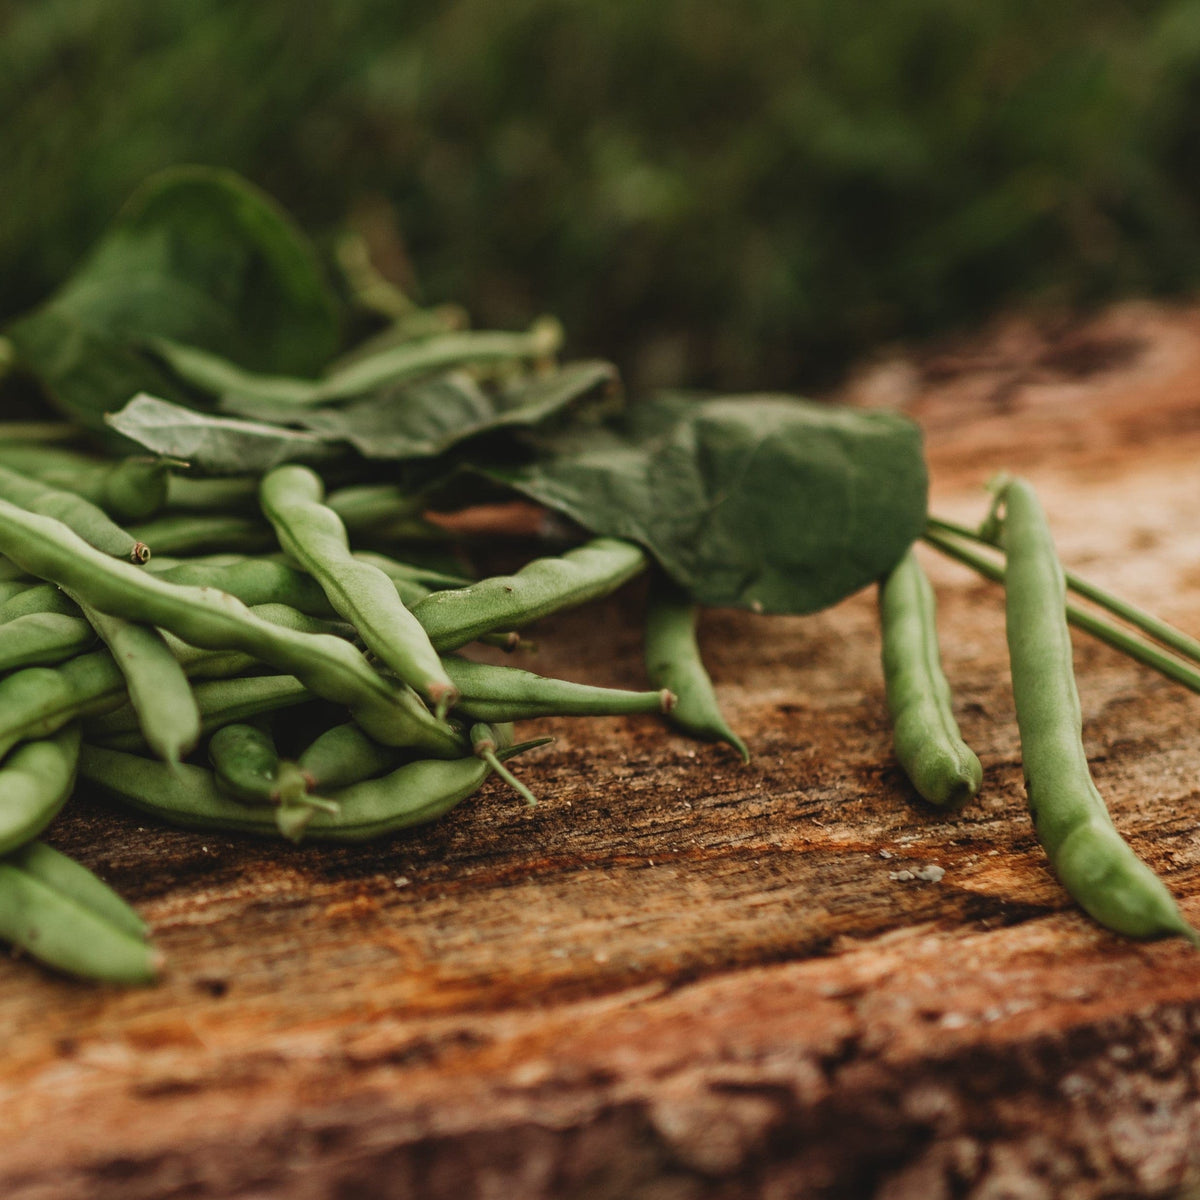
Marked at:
<point>682,978</point>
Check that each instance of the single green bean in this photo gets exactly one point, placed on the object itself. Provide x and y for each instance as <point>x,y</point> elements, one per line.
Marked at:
<point>74,881</point>
<point>234,493</point>
<point>254,581</point>
<point>412,794</point>
<point>35,781</point>
<point>220,701</point>
<point>42,639</point>
<point>64,933</point>
<point>411,573</point>
<point>344,755</point>
<point>213,620</point>
<point>313,535</point>
<point>189,533</point>
<point>489,693</point>
<point>546,585</point>
<point>13,587</point>
<point>159,691</point>
<point>941,766</point>
<point>130,489</point>
<point>1093,861</point>
<point>36,702</point>
<point>89,522</point>
<point>40,598</point>
<point>673,662</point>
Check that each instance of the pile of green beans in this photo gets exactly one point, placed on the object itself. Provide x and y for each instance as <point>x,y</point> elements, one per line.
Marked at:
<point>253,668</point>
<point>270,674</point>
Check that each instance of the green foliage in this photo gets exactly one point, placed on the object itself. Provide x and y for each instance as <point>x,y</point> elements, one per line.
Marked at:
<point>731,194</point>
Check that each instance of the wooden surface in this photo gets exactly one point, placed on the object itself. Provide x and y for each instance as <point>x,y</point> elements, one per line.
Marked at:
<point>681,978</point>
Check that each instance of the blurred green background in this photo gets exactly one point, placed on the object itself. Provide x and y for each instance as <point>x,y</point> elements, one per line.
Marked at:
<point>729,195</point>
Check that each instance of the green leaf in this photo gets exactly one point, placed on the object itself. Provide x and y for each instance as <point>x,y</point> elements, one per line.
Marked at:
<point>427,419</point>
<point>762,502</point>
<point>196,256</point>
<point>220,445</point>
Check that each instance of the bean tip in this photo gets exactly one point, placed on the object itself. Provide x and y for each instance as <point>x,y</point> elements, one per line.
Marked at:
<point>667,700</point>
<point>140,553</point>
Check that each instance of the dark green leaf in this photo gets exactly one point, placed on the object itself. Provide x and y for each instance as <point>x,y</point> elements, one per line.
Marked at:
<point>196,256</point>
<point>429,418</point>
<point>220,445</point>
<point>762,502</point>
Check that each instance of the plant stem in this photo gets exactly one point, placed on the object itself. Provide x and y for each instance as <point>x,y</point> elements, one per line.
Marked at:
<point>1138,648</point>
<point>1148,623</point>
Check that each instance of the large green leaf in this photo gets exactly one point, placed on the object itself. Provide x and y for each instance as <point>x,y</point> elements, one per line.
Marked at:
<point>197,256</point>
<point>762,502</point>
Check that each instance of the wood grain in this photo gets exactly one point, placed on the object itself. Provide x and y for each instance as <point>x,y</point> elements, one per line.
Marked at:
<point>680,978</point>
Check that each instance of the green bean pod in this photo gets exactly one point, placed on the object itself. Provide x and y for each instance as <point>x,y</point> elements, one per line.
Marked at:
<point>13,587</point>
<point>129,489</point>
<point>61,928</point>
<point>412,794</point>
<point>673,662</point>
<point>344,755</point>
<point>42,639</point>
<point>191,533</point>
<point>92,524</point>
<point>1092,860</point>
<point>313,535</point>
<point>941,766</point>
<point>547,585</point>
<point>38,701</point>
<point>489,693</point>
<point>220,702</point>
<point>159,691</point>
<point>35,781</point>
<point>222,494</point>
<point>73,880</point>
<point>245,762</point>
<point>40,598</point>
<point>330,667</point>
<point>254,581</point>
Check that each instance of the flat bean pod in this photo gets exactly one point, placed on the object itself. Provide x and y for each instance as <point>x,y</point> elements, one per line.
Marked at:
<point>412,794</point>
<point>489,693</point>
<point>89,522</point>
<point>454,617</point>
<point>941,766</point>
<point>1093,861</point>
<point>313,535</point>
<point>35,781</point>
<point>330,667</point>
<point>65,933</point>
<point>673,662</point>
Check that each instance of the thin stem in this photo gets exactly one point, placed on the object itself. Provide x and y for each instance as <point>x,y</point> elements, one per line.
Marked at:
<point>1147,622</point>
<point>1138,648</point>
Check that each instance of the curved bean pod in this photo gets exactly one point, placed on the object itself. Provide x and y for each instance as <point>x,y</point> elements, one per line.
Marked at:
<point>489,693</point>
<point>130,489</point>
<point>454,617</point>
<point>941,766</point>
<point>344,755</point>
<point>159,691</point>
<point>35,781</point>
<point>673,662</point>
<point>213,620</point>
<point>40,598</point>
<point>313,535</point>
<point>1093,861</point>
